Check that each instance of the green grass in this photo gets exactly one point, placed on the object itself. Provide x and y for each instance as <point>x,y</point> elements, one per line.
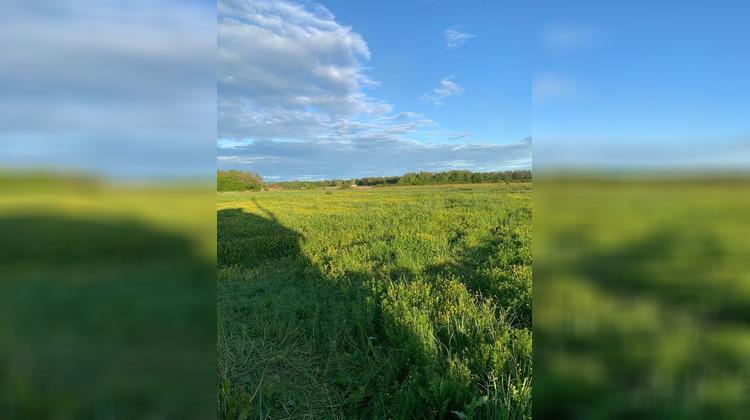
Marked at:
<point>106,302</point>
<point>409,302</point>
<point>642,299</point>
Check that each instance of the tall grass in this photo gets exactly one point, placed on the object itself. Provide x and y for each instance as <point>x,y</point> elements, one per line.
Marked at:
<point>643,298</point>
<point>385,303</point>
<point>106,300</point>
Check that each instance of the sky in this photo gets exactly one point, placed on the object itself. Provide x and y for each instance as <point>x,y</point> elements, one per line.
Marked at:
<point>122,88</point>
<point>343,89</point>
<point>641,85</point>
<point>340,89</point>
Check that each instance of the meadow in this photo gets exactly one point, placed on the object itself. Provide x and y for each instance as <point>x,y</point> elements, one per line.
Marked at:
<point>642,297</point>
<point>402,302</point>
<point>107,304</point>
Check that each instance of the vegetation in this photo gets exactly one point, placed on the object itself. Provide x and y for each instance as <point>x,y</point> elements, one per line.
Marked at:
<point>376,303</point>
<point>234,180</point>
<point>454,177</point>
<point>106,299</point>
<point>642,298</point>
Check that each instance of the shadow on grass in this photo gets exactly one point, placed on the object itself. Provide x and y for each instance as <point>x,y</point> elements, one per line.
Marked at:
<point>103,319</point>
<point>274,310</point>
<point>297,343</point>
<point>652,328</point>
<point>247,241</point>
<point>681,269</point>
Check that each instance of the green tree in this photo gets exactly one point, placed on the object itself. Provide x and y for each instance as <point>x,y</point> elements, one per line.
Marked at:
<point>235,180</point>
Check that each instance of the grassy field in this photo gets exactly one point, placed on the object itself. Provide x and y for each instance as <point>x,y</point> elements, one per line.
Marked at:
<point>642,299</point>
<point>410,302</point>
<point>107,302</point>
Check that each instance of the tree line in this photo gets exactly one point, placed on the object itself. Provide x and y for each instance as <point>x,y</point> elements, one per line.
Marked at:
<point>234,180</point>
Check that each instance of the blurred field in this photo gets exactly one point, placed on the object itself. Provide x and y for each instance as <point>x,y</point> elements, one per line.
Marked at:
<point>642,291</point>
<point>410,302</point>
<point>106,300</point>
<point>107,265</point>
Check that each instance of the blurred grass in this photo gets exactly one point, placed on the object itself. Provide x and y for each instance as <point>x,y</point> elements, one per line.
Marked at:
<point>642,290</point>
<point>107,299</point>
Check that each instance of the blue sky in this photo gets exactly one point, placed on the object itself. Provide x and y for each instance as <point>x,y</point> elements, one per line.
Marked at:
<point>641,84</point>
<point>340,89</point>
<point>347,89</point>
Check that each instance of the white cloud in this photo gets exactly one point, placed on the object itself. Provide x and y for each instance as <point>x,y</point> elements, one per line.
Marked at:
<point>101,85</point>
<point>446,89</point>
<point>287,69</point>
<point>454,38</point>
<point>457,136</point>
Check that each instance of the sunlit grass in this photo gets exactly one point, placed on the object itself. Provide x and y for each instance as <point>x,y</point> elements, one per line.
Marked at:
<point>392,302</point>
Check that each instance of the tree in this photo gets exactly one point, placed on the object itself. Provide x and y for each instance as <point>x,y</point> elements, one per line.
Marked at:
<point>234,180</point>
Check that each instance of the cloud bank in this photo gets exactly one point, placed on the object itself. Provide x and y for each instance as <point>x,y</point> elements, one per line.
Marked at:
<point>372,156</point>
<point>288,71</point>
<point>120,88</point>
